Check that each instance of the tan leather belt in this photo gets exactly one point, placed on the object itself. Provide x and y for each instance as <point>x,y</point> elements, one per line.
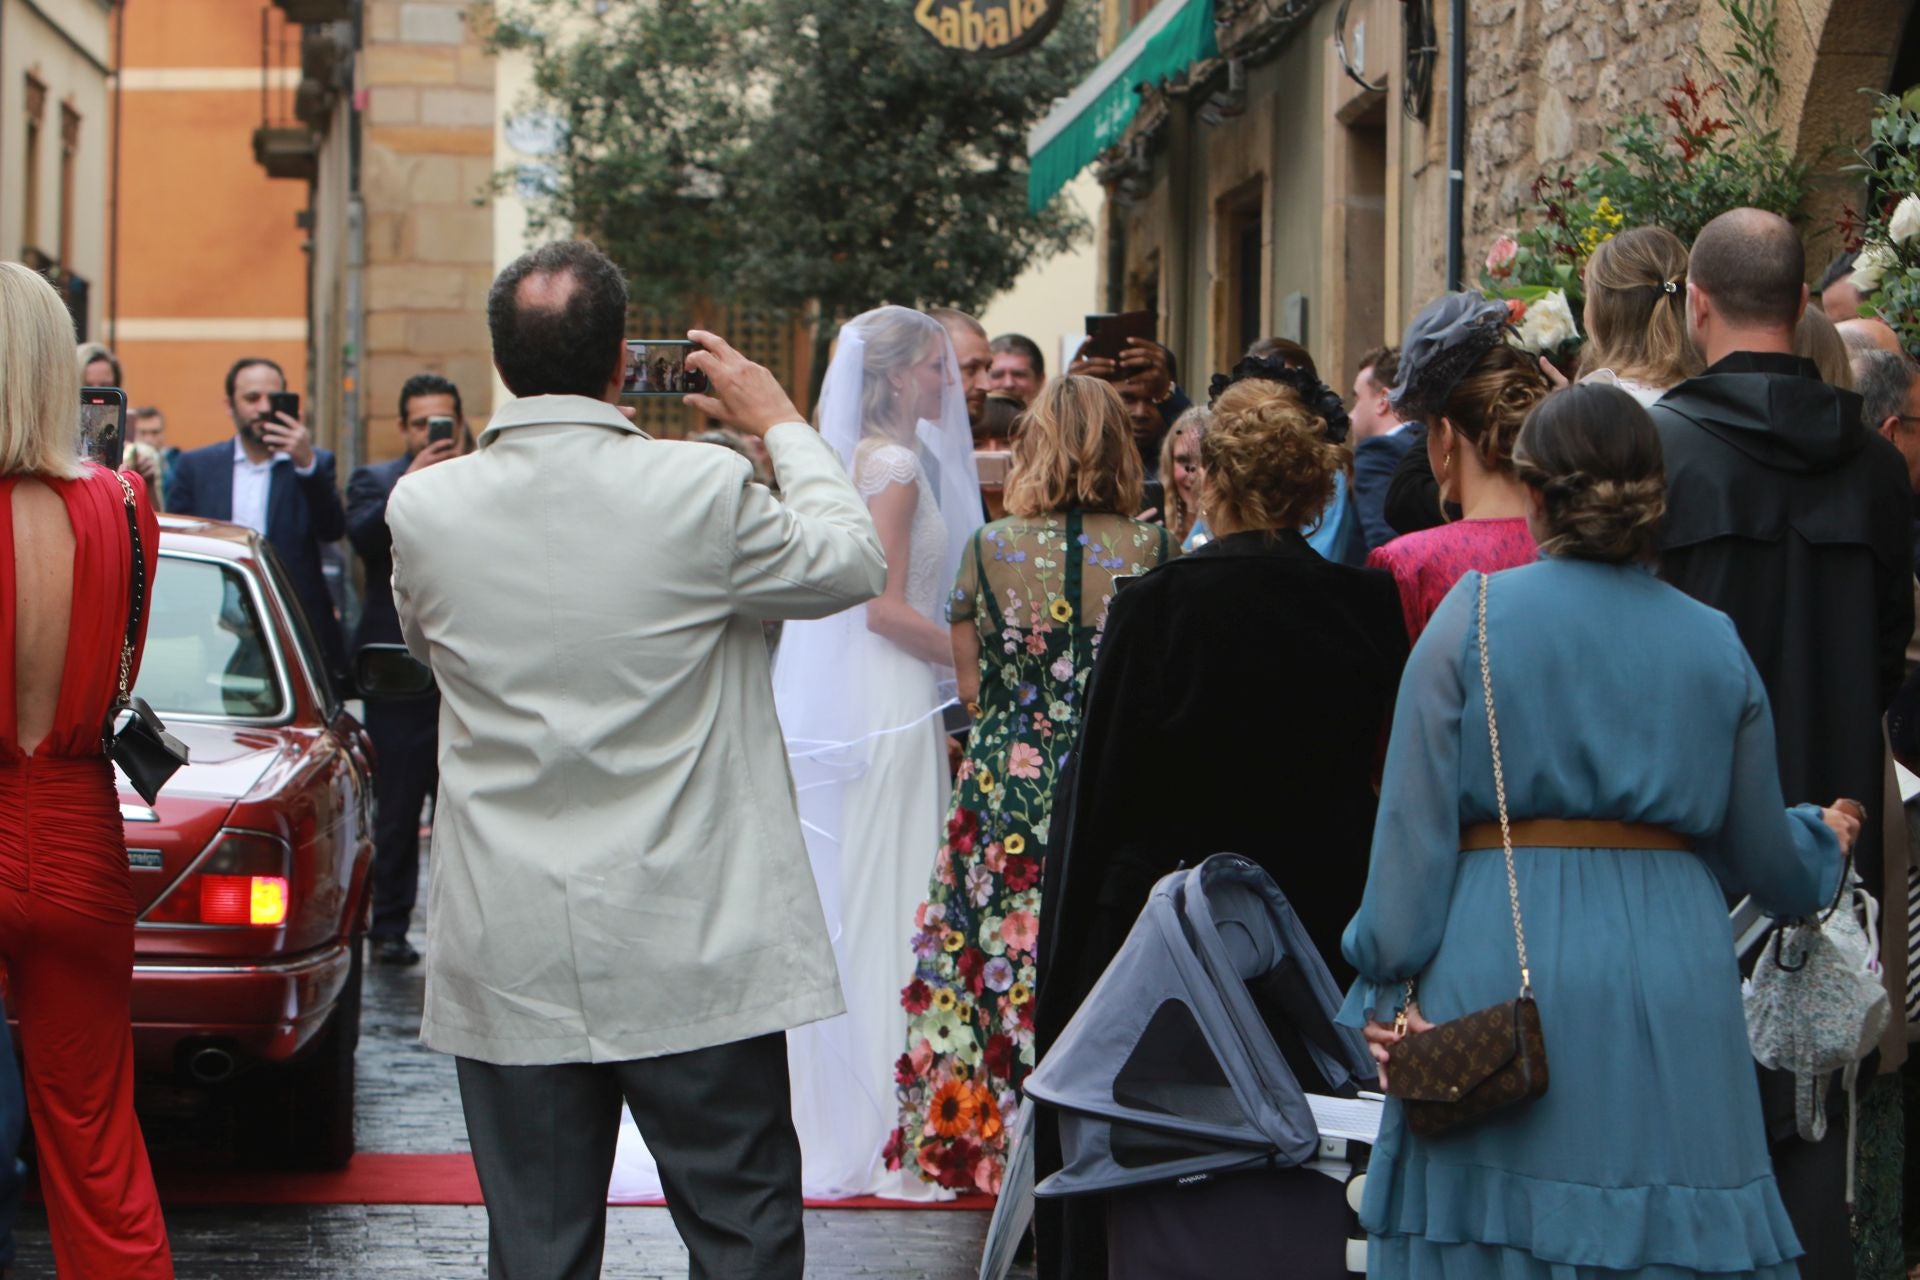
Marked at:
<point>1574,833</point>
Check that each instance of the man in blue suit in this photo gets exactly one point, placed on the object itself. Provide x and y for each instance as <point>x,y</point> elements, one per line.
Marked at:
<point>271,479</point>
<point>405,733</point>
<point>1380,441</point>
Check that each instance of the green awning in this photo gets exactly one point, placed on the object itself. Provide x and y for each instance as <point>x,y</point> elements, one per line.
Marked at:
<point>1173,36</point>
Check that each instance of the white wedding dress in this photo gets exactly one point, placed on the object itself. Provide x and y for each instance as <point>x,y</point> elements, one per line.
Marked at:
<point>888,816</point>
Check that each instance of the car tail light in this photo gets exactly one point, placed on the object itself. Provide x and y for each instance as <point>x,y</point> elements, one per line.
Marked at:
<point>241,881</point>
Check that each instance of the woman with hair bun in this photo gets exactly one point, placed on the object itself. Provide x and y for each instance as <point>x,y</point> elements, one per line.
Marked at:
<point>1636,752</point>
<point>1636,314</point>
<point>1251,681</point>
<point>1473,389</point>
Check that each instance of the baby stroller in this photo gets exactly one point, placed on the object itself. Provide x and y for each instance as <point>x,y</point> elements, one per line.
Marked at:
<point>1204,1089</point>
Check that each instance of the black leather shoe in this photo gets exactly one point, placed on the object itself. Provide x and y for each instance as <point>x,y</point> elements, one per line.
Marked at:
<point>393,951</point>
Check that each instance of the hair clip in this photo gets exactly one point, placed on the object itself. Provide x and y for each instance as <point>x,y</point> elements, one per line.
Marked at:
<point>1669,287</point>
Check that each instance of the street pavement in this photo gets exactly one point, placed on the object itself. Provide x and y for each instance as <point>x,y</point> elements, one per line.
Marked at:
<point>408,1102</point>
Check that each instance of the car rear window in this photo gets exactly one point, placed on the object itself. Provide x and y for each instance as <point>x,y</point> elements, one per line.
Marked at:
<point>206,653</point>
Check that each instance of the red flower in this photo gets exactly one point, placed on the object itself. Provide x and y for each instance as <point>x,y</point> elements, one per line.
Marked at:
<point>903,1073</point>
<point>999,1055</point>
<point>915,997</point>
<point>972,961</point>
<point>1022,872</point>
<point>955,1164</point>
<point>896,1145</point>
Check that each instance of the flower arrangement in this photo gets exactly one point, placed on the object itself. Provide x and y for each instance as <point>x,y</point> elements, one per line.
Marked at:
<point>1887,268</point>
<point>1710,148</point>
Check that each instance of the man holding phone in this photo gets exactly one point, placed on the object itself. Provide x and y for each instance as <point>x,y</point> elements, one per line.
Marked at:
<point>405,733</point>
<point>274,481</point>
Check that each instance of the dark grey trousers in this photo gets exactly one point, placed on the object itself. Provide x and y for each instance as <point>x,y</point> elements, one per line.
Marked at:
<point>718,1121</point>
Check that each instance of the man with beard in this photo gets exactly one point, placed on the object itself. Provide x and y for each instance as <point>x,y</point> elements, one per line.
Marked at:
<point>271,479</point>
<point>970,348</point>
<point>1790,514</point>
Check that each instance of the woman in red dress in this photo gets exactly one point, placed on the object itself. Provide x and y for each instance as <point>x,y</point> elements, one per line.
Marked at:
<point>1458,373</point>
<point>66,897</point>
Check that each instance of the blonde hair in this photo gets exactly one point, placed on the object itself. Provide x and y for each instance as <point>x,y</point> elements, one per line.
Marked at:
<point>894,338</point>
<point>1637,309</point>
<point>1269,464</point>
<point>1815,338</point>
<point>1075,449</point>
<point>39,381</point>
<point>1178,518</point>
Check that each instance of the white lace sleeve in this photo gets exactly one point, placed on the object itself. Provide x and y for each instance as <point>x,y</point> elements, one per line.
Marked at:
<point>884,465</point>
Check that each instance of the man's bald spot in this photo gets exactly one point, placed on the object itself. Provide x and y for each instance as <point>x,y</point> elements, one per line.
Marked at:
<point>1752,266</point>
<point>549,291</point>
<point>1865,333</point>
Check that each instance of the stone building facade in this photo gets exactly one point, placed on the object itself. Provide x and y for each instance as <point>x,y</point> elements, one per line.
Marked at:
<point>1264,189</point>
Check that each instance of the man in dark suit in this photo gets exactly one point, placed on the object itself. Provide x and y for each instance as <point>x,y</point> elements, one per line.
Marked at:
<point>271,479</point>
<point>1380,441</point>
<point>405,733</point>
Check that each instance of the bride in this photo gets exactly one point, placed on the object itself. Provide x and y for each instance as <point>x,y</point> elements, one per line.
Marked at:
<point>860,697</point>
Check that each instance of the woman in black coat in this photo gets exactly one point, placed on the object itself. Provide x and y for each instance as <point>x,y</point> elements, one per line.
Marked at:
<point>1239,705</point>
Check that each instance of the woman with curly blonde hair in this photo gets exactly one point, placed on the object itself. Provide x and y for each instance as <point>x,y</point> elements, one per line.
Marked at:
<point>1250,680</point>
<point>1027,613</point>
<point>1459,373</point>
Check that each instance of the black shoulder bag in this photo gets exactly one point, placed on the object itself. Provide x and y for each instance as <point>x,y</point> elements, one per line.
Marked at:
<point>143,748</point>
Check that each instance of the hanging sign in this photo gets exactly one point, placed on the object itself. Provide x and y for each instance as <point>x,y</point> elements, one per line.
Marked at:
<point>990,28</point>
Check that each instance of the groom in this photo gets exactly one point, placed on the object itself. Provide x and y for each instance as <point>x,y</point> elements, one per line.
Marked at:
<point>621,906</point>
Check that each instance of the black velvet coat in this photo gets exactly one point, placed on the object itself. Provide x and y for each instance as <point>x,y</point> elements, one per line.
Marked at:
<point>1239,704</point>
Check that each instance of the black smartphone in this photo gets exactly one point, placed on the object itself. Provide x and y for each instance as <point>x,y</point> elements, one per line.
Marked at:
<point>287,402</point>
<point>658,367</point>
<point>103,425</point>
<point>439,429</point>
<point>1107,334</point>
<point>1153,497</point>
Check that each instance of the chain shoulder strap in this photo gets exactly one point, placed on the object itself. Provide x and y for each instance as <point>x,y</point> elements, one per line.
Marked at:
<point>1500,798</point>
<point>1506,823</point>
<point>139,574</point>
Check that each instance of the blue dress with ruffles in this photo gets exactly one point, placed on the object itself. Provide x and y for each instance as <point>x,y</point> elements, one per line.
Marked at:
<point>1619,698</point>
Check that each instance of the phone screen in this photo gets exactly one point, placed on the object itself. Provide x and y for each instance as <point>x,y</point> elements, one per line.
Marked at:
<point>103,425</point>
<point>439,429</point>
<point>658,367</point>
<point>287,402</point>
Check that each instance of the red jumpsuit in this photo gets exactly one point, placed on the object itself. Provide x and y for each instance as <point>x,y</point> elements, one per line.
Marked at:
<point>66,907</point>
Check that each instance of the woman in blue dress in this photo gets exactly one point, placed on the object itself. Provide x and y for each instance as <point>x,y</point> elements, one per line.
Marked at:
<point>1622,701</point>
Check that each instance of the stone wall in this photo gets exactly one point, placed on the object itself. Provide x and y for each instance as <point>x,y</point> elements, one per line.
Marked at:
<point>1545,80</point>
<point>427,167</point>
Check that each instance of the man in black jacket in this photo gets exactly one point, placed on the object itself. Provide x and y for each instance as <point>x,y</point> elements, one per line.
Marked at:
<point>1788,513</point>
<point>405,734</point>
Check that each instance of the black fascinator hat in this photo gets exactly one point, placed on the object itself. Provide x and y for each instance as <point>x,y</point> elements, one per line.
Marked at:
<point>1321,400</point>
<point>1442,344</point>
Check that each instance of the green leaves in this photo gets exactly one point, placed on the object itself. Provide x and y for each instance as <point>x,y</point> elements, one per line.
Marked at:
<point>785,153</point>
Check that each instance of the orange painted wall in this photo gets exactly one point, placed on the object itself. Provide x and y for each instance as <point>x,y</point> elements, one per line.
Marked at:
<point>205,235</point>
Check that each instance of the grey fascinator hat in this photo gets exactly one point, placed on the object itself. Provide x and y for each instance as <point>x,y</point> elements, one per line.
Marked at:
<point>1442,344</point>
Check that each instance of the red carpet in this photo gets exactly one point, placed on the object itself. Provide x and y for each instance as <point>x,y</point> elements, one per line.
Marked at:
<point>373,1178</point>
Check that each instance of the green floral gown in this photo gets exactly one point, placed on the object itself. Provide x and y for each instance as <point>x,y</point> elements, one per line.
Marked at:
<point>1037,591</point>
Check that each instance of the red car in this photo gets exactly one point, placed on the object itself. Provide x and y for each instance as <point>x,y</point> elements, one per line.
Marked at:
<point>251,871</point>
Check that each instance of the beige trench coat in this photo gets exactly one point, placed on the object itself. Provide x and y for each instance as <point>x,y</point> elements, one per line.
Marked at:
<point>617,867</point>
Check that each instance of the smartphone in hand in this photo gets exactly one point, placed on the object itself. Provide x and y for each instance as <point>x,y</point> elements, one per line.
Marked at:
<point>287,402</point>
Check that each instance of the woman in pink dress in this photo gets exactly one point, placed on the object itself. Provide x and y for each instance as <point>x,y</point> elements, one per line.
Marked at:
<point>1459,373</point>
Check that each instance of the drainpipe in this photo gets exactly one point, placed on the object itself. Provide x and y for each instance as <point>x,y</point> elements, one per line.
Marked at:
<point>113,199</point>
<point>1456,139</point>
<point>353,439</point>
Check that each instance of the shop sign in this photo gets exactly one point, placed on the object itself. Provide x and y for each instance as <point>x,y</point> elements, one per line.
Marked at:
<point>990,28</point>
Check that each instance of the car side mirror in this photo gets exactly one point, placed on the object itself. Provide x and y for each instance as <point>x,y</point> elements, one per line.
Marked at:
<point>387,673</point>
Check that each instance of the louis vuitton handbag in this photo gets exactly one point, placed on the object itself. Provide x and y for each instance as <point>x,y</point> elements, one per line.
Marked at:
<point>1471,1066</point>
<point>142,747</point>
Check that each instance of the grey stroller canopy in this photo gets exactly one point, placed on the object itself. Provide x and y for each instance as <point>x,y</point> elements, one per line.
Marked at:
<point>1195,1051</point>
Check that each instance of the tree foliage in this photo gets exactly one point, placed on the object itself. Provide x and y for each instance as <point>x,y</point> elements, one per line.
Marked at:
<point>790,152</point>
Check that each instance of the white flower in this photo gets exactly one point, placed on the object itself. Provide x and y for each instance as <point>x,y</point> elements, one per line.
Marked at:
<point>1873,263</point>
<point>1548,323</point>
<point>1905,224</point>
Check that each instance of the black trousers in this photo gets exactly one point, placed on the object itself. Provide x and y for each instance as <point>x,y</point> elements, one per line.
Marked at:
<point>718,1121</point>
<point>406,767</point>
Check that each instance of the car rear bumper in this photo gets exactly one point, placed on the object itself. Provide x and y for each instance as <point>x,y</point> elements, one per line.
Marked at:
<point>262,1012</point>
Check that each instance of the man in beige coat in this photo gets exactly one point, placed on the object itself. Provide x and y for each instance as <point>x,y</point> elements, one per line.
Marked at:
<point>621,906</point>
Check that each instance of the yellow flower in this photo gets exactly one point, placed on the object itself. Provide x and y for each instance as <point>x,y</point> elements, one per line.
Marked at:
<point>954,941</point>
<point>1019,994</point>
<point>984,779</point>
<point>944,999</point>
<point>961,1071</point>
<point>1015,843</point>
<point>1060,609</point>
<point>1605,212</point>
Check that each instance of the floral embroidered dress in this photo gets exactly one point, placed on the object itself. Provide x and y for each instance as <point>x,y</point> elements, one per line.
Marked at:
<point>1037,591</point>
